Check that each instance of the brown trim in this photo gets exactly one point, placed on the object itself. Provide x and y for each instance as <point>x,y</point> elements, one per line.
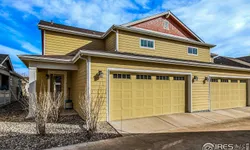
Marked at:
<point>42,36</point>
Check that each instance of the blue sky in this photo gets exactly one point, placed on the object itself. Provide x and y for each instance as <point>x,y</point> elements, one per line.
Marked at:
<point>225,23</point>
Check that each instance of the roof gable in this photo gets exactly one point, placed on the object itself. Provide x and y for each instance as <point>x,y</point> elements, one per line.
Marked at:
<point>156,23</point>
<point>6,62</point>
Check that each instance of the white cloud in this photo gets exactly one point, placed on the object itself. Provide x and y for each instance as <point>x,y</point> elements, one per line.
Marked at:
<point>143,3</point>
<point>12,52</point>
<point>91,14</point>
<point>30,48</point>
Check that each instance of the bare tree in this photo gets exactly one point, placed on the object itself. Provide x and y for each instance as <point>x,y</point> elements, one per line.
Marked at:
<point>90,106</point>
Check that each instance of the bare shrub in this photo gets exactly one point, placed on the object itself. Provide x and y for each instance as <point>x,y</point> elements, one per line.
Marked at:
<point>42,110</point>
<point>56,102</point>
<point>90,107</point>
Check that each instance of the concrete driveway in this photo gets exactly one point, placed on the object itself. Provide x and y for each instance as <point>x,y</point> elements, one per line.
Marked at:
<point>175,122</point>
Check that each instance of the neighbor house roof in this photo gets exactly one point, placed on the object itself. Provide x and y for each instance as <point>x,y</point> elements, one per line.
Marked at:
<point>3,57</point>
<point>231,61</point>
<point>213,54</point>
<point>245,58</point>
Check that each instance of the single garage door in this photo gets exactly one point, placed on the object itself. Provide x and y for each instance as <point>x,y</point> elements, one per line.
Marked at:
<point>143,95</point>
<point>228,93</point>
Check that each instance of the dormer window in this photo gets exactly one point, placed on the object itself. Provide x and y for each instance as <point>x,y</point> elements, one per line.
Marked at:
<point>166,24</point>
<point>192,51</point>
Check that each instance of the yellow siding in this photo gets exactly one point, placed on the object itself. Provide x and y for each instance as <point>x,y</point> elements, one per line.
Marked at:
<point>110,42</point>
<point>78,84</point>
<point>61,43</point>
<point>200,99</point>
<point>130,42</point>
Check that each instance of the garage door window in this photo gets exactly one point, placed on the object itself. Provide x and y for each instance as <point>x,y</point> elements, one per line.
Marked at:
<point>162,77</point>
<point>145,77</point>
<point>224,80</point>
<point>234,81</point>
<point>179,78</point>
<point>121,76</point>
<point>242,81</point>
<point>214,80</point>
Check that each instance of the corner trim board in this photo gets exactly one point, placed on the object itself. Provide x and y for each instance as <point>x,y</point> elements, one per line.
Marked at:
<point>117,40</point>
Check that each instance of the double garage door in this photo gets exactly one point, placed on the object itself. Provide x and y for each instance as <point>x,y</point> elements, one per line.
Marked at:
<point>143,95</point>
<point>228,93</point>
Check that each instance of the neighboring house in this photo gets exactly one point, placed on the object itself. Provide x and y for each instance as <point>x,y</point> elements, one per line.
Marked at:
<point>152,66</point>
<point>10,81</point>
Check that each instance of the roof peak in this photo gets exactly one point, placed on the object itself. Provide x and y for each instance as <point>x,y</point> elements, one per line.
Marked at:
<point>168,13</point>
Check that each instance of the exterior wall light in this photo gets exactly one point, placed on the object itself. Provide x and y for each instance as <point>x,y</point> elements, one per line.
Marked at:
<point>195,78</point>
<point>100,74</point>
<point>205,79</point>
<point>47,76</point>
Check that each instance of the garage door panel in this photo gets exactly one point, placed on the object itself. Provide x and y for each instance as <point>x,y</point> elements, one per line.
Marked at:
<point>137,112</point>
<point>148,102</point>
<point>116,105</point>
<point>127,103</point>
<point>158,110</point>
<point>127,113</point>
<point>149,111</point>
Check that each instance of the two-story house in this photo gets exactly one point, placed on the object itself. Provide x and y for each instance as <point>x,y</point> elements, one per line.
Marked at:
<point>152,66</point>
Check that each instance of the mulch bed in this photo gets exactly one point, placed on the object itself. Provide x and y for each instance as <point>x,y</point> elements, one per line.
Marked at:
<point>18,133</point>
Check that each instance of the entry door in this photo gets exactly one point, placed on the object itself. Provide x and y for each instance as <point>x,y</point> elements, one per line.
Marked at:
<point>57,86</point>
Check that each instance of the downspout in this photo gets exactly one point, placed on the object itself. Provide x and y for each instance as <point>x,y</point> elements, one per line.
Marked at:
<point>88,83</point>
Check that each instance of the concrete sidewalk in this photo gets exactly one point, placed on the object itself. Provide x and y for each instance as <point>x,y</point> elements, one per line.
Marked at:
<point>168,123</point>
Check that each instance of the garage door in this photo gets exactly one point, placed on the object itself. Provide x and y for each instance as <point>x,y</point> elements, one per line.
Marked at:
<point>228,93</point>
<point>142,95</point>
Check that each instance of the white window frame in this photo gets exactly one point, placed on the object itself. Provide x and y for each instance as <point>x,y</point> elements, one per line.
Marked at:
<point>192,53</point>
<point>164,24</point>
<point>147,40</point>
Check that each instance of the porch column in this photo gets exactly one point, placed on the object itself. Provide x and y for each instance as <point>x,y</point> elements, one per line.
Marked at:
<point>32,91</point>
<point>248,92</point>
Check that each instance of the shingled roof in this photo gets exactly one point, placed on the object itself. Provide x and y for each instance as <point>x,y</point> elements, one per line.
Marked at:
<point>231,62</point>
<point>65,27</point>
<point>3,57</point>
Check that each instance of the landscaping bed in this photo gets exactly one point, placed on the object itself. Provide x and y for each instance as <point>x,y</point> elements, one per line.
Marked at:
<point>18,133</point>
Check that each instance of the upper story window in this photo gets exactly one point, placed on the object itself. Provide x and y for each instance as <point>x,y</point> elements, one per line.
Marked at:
<point>192,51</point>
<point>146,43</point>
<point>166,24</point>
